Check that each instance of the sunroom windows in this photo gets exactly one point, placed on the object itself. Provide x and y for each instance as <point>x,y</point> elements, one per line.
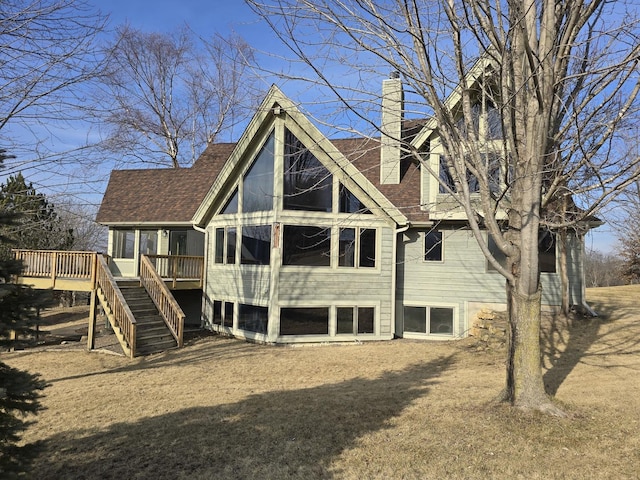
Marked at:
<point>307,184</point>
<point>357,247</point>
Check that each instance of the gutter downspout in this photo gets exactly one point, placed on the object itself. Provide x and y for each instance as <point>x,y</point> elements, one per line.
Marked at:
<point>204,269</point>
<point>394,278</point>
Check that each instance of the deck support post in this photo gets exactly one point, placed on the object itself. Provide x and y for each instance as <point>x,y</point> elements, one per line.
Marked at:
<point>92,321</point>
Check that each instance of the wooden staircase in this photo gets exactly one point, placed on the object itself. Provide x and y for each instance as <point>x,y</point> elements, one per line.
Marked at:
<point>152,333</point>
<point>145,316</point>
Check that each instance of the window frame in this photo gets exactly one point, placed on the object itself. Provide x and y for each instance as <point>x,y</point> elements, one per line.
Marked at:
<point>427,332</point>
<point>427,233</point>
<point>120,244</point>
<point>355,320</point>
<point>357,250</point>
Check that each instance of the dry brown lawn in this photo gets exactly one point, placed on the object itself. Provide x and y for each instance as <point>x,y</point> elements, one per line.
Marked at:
<point>222,408</point>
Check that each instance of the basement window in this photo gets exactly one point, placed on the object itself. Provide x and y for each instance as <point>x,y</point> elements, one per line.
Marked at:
<point>428,320</point>
<point>253,318</point>
<point>304,321</point>
<point>355,320</point>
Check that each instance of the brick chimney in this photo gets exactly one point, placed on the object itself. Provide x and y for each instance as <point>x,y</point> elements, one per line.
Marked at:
<point>391,129</point>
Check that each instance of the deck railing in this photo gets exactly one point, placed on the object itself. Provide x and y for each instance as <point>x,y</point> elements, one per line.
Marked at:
<point>120,311</point>
<point>161,296</point>
<point>57,264</point>
<point>178,267</point>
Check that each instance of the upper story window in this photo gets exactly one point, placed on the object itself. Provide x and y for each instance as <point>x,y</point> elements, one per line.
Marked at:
<point>307,183</point>
<point>257,191</point>
<point>349,203</point>
<point>492,161</point>
<point>225,248</point>
<point>232,204</point>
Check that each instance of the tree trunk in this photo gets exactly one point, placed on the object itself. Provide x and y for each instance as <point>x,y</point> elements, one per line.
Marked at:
<point>524,386</point>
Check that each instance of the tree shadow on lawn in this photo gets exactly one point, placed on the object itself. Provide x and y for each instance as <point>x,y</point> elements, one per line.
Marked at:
<point>581,339</point>
<point>277,434</point>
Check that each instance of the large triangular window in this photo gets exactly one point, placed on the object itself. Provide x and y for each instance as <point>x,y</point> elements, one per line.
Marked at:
<point>307,182</point>
<point>257,191</point>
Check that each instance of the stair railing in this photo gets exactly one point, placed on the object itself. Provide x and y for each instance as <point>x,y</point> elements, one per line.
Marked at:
<point>121,314</point>
<point>167,305</point>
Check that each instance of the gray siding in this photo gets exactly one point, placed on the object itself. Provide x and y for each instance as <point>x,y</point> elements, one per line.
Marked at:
<point>461,281</point>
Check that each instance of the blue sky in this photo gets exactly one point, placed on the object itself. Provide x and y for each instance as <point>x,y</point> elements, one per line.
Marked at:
<point>207,17</point>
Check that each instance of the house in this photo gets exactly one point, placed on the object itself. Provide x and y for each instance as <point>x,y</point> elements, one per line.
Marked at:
<point>307,239</point>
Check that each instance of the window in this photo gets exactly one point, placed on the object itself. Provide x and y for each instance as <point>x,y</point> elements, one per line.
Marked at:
<point>227,321</point>
<point>217,312</point>
<point>362,247</point>
<point>305,245</point>
<point>547,252</point>
<point>232,204</point>
<point>219,250</point>
<point>349,203</point>
<point>355,320</point>
<point>148,242</point>
<point>257,191</point>
<point>445,176</point>
<point>123,243</point>
<point>307,182</point>
<point>492,162</point>
<point>231,246</point>
<point>256,245</point>
<point>223,313</point>
<point>431,320</point>
<point>433,246</point>
<point>253,318</point>
<point>367,247</point>
<point>304,321</point>
<point>227,256</point>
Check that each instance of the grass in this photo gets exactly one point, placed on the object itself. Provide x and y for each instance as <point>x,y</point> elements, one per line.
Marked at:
<point>221,408</point>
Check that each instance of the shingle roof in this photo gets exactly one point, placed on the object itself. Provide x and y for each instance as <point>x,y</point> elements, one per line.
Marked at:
<point>173,195</point>
<point>161,195</point>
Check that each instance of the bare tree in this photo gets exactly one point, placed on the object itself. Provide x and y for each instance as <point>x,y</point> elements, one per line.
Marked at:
<point>544,91</point>
<point>47,57</point>
<point>602,269</point>
<point>168,95</point>
<point>629,234</point>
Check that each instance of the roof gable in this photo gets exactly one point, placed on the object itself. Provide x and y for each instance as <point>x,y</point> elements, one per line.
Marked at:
<point>274,105</point>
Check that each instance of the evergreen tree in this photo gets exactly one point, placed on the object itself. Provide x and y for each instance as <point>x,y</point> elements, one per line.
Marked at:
<point>35,223</point>
<point>20,391</point>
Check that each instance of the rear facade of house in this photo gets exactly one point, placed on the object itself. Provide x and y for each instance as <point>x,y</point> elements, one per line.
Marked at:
<point>307,239</point>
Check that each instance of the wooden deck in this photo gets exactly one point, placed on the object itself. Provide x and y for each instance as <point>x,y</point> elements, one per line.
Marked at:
<point>58,270</point>
<point>89,272</point>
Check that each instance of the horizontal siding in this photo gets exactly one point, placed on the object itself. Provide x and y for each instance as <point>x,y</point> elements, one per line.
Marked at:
<point>462,277</point>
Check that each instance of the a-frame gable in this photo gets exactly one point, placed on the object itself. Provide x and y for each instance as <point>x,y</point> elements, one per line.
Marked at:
<point>275,105</point>
<point>479,70</point>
